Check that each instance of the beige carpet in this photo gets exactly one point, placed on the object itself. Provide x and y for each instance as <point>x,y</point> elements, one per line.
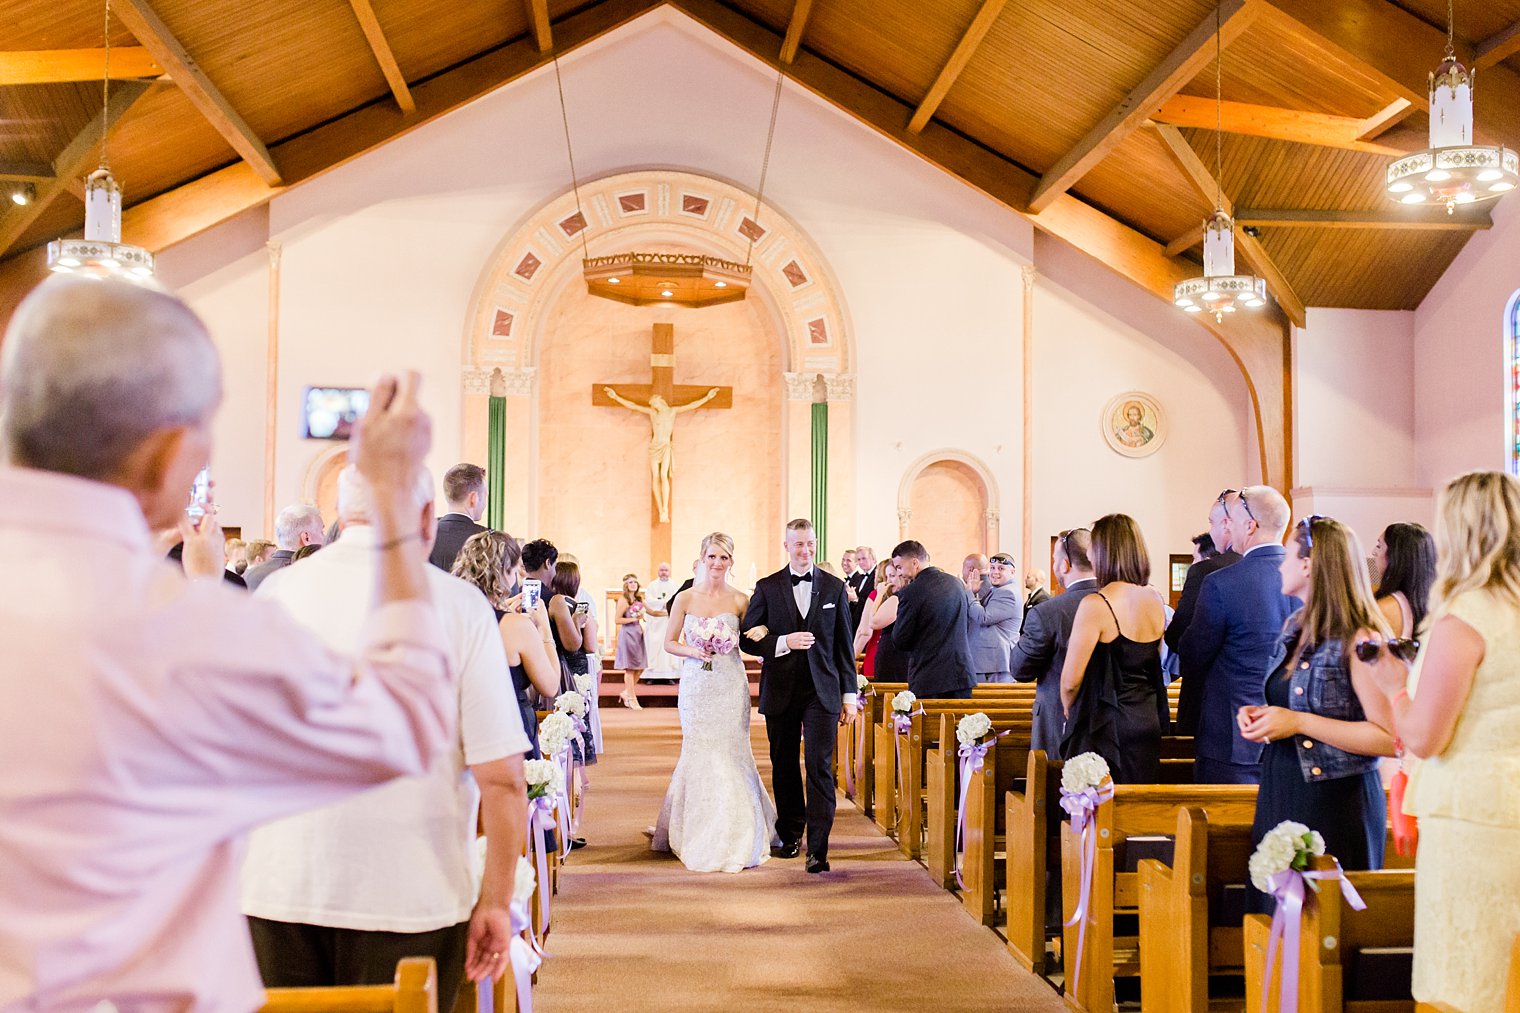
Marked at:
<point>635,931</point>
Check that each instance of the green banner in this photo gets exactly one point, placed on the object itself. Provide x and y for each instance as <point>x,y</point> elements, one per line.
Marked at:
<point>496,466</point>
<point>819,500</point>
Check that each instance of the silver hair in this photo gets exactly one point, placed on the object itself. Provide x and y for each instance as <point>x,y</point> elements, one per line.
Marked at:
<point>356,497</point>
<point>90,368</point>
<point>293,521</point>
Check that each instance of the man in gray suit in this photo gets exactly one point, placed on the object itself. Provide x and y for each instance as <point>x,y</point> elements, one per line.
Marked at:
<point>1041,649</point>
<point>994,612</point>
<point>295,528</point>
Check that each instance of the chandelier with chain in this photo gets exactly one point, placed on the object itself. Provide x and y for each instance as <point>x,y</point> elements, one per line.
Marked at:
<point>1453,170</point>
<point>100,252</point>
<point>1220,290</point>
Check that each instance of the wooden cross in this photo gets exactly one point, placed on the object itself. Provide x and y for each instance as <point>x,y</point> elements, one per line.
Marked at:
<point>674,399</point>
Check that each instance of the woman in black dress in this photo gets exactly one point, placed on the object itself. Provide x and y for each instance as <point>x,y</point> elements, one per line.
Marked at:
<point>570,621</point>
<point>1325,722</point>
<point>488,560</point>
<point>1111,682</point>
<point>888,662</point>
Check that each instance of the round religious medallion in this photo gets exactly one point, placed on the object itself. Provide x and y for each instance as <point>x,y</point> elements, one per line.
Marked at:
<point>1133,425</point>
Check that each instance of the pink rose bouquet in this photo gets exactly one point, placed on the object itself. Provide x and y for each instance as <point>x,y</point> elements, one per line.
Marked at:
<point>713,636</point>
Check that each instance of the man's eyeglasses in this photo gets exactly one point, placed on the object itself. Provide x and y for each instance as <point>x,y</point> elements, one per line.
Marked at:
<point>1307,527</point>
<point>1403,649</point>
<point>1065,537</point>
<point>1246,505</point>
<point>1226,495</point>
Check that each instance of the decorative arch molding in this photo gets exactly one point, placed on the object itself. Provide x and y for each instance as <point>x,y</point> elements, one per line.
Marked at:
<point>322,469</point>
<point>990,520</point>
<point>529,269</point>
<point>1511,346</point>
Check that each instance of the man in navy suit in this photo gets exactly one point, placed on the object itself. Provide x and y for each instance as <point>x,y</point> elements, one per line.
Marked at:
<point>1239,618</point>
<point>1192,688</point>
<point>931,627</point>
<point>798,623</point>
<point>464,489</point>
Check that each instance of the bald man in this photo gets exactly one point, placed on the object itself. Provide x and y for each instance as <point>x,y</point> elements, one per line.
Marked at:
<point>1239,618</point>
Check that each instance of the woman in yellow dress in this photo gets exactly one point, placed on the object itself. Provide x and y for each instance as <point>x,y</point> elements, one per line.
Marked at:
<point>1458,711</point>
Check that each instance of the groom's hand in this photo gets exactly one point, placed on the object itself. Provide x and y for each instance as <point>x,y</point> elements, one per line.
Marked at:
<point>847,714</point>
<point>799,641</point>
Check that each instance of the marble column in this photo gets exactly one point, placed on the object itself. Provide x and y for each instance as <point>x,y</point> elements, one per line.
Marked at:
<point>496,453</point>
<point>840,391</point>
<point>498,428</point>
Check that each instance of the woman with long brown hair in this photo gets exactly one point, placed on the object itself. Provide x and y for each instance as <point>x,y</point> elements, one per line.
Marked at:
<point>1111,685</point>
<point>1457,710</point>
<point>1324,724</point>
<point>630,641</point>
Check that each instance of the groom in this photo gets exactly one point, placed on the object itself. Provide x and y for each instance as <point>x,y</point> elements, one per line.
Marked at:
<point>806,676</point>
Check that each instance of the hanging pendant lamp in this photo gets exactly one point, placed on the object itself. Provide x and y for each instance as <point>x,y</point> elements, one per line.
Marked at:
<point>1453,170</point>
<point>1220,290</point>
<point>101,253</point>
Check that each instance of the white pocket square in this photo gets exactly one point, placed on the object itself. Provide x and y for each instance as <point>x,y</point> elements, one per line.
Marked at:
<point>829,605</point>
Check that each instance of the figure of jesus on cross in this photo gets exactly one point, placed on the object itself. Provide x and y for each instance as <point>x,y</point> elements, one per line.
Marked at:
<point>661,400</point>
<point>662,425</point>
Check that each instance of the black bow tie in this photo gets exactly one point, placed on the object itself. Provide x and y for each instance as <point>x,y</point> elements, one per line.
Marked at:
<point>798,578</point>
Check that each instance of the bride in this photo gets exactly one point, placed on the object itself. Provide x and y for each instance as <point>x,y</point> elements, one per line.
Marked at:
<point>717,816</point>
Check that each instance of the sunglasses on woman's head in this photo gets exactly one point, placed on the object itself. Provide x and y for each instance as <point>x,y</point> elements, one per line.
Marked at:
<point>1400,647</point>
<point>1307,526</point>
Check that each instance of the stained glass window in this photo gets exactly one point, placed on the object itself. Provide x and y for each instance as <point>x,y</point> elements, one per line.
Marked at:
<point>1512,354</point>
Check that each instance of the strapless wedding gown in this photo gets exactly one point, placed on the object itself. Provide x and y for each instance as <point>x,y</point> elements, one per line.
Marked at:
<point>717,816</point>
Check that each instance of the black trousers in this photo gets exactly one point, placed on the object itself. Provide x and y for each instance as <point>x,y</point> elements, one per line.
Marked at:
<point>803,722</point>
<point>293,955</point>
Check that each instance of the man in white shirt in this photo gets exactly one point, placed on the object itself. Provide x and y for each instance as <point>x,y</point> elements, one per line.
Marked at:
<point>657,614</point>
<point>336,896</point>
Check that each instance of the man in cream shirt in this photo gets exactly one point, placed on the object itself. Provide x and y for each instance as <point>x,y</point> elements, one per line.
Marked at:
<point>657,614</point>
<point>337,895</point>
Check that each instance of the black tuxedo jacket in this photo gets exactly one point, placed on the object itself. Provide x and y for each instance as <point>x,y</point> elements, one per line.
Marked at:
<point>828,667</point>
<point>862,581</point>
<point>931,627</point>
<point>453,531</point>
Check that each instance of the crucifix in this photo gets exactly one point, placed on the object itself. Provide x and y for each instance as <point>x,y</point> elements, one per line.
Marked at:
<point>662,399</point>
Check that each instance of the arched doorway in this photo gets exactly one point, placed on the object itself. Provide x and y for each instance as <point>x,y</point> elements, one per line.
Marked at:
<point>948,501</point>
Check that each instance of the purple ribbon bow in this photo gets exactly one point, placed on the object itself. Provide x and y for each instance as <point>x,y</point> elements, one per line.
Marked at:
<point>540,821</point>
<point>1287,889</point>
<point>1080,806</point>
<point>973,759</point>
<point>902,724</point>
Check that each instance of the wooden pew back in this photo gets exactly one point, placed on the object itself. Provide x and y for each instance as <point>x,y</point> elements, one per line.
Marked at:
<point>1032,818</point>
<point>943,787</point>
<point>415,990</point>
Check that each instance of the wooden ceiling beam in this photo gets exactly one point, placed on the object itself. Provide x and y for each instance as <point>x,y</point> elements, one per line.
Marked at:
<point>1385,119</point>
<point>149,29</point>
<point>1497,47</point>
<point>1400,50</point>
<point>538,17</point>
<point>1250,248</point>
<point>794,29</point>
<point>1319,129</point>
<point>1183,64</point>
<point>959,57</point>
<point>26,172</point>
<point>381,47</point>
<point>59,66</point>
<point>78,158</point>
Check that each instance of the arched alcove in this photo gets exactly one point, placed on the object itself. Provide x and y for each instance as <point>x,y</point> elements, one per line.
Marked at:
<point>948,501</point>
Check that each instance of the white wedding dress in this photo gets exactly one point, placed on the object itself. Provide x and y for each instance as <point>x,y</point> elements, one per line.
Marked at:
<point>717,815</point>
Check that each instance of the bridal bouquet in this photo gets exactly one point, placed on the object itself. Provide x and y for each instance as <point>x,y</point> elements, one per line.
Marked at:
<point>1288,845</point>
<point>554,733</point>
<point>546,779</point>
<point>972,728</point>
<point>713,636</point>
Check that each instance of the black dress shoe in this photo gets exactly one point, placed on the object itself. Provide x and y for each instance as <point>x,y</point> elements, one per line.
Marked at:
<point>816,864</point>
<point>787,849</point>
<point>577,843</point>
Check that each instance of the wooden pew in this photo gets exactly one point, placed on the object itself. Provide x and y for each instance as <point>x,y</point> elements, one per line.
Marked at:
<point>415,990</point>
<point>986,822</point>
<point>1032,818</point>
<point>922,736</point>
<point>1333,937</point>
<point>1134,811</point>
<point>942,777</point>
<point>1186,933</point>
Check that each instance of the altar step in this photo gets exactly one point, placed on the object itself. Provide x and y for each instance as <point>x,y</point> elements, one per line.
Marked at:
<point>662,693</point>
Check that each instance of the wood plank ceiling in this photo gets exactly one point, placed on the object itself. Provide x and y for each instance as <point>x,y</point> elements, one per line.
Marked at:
<point>1028,80</point>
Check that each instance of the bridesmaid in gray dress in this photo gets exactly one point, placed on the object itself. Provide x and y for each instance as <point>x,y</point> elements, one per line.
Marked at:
<point>630,655</point>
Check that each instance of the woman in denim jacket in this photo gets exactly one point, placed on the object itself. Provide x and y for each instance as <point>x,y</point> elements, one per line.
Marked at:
<point>1326,722</point>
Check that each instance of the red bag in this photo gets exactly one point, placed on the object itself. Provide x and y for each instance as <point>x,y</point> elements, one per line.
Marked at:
<point>1406,828</point>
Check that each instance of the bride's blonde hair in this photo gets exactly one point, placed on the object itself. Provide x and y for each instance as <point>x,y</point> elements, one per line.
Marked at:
<point>1478,537</point>
<point>719,539</point>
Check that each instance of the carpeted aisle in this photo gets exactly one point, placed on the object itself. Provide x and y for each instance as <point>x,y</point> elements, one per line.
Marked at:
<point>635,931</point>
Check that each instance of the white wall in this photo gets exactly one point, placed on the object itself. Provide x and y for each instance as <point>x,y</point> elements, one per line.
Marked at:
<point>1459,354</point>
<point>382,256</point>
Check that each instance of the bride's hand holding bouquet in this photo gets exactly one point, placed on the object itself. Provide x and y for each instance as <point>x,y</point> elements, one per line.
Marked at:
<point>712,636</point>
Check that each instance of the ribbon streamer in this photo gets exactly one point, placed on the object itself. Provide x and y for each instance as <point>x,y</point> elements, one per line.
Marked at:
<point>540,821</point>
<point>566,760</point>
<point>525,957</point>
<point>1287,889</point>
<point>1080,806</point>
<point>973,759</point>
<point>902,724</point>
